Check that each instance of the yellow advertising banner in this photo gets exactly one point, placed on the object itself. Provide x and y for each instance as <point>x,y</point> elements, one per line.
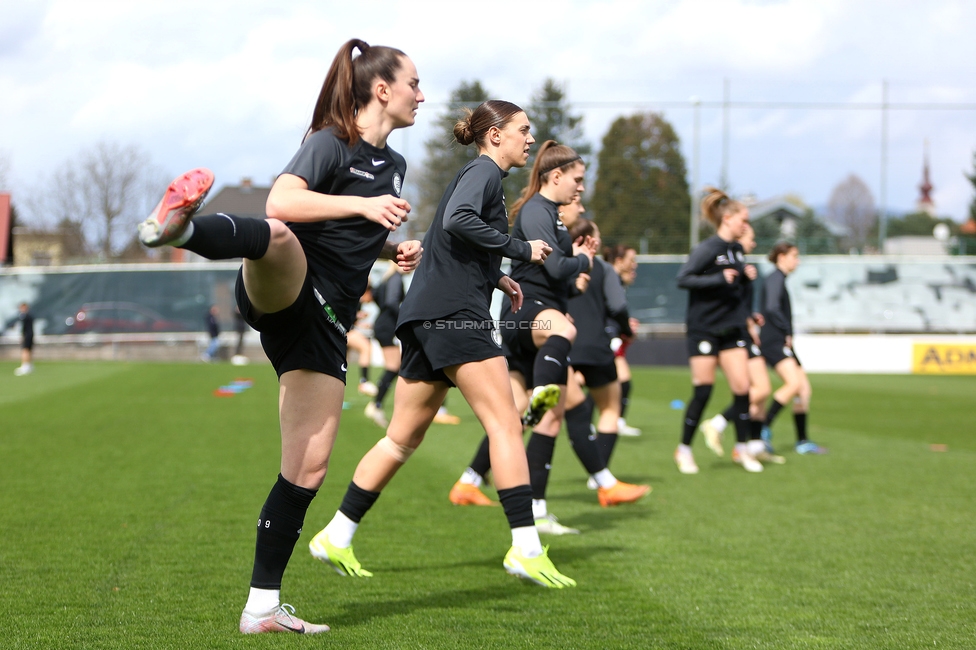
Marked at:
<point>944,358</point>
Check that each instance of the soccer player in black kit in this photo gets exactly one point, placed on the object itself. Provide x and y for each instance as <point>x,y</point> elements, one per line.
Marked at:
<point>448,339</point>
<point>592,355</point>
<point>304,269</point>
<point>777,346</point>
<point>578,414</point>
<point>759,387</point>
<point>716,324</point>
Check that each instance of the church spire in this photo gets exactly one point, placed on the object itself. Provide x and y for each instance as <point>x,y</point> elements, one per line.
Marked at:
<point>925,203</point>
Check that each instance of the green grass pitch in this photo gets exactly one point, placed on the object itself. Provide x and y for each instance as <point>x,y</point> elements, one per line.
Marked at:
<point>129,495</point>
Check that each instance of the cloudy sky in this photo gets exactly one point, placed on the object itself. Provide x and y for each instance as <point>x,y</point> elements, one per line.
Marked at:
<point>231,85</point>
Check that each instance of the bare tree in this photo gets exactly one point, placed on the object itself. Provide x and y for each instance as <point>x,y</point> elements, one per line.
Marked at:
<point>103,194</point>
<point>852,206</point>
<point>4,171</point>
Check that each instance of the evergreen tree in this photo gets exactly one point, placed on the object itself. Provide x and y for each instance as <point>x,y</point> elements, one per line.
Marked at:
<point>972,179</point>
<point>641,188</point>
<point>551,119</point>
<point>445,157</point>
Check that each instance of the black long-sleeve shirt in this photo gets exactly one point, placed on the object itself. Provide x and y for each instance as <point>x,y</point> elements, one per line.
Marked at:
<point>552,282</point>
<point>603,299</point>
<point>463,248</point>
<point>776,308</point>
<point>714,304</point>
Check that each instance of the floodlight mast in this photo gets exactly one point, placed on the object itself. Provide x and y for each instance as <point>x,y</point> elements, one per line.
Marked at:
<point>695,161</point>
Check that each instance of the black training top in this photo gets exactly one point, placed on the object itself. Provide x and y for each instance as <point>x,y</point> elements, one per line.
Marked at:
<point>463,248</point>
<point>748,297</point>
<point>26,325</point>
<point>388,296</point>
<point>552,282</point>
<point>776,308</point>
<point>714,305</point>
<point>603,299</point>
<point>341,252</point>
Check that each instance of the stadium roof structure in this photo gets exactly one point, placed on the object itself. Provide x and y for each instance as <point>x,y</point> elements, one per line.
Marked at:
<point>244,200</point>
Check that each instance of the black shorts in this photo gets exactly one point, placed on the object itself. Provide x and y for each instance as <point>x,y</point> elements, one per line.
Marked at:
<point>429,346</point>
<point>384,329</point>
<point>776,350</point>
<point>28,344</point>
<point>754,350</point>
<point>299,337</point>
<point>597,376</point>
<point>522,363</point>
<point>709,344</point>
<point>517,328</point>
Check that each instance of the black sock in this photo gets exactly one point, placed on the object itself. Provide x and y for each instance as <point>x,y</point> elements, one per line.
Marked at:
<point>225,236</point>
<point>801,426</point>
<point>774,410</point>
<point>539,454</point>
<point>606,442</point>
<point>699,399</point>
<point>517,503</point>
<point>551,364</point>
<point>363,374</point>
<point>755,429</point>
<point>740,404</point>
<point>482,459</point>
<point>385,382</point>
<point>578,421</point>
<point>279,527</point>
<point>729,413</point>
<point>624,397</point>
<point>357,502</point>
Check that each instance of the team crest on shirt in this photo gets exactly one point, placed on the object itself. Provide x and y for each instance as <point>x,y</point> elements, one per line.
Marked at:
<point>496,336</point>
<point>560,225</point>
<point>705,347</point>
<point>722,260</point>
<point>397,182</point>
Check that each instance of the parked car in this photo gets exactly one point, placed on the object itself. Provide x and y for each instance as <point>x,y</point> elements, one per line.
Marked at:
<point>119,317</point>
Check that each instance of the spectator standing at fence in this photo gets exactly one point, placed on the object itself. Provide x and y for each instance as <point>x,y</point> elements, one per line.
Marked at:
<point>26,340</point>
<point>213,329</point>
<point>240,326</point>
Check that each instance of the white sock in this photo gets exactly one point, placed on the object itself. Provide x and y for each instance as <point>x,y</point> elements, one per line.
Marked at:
<point>719,422</point>
<point>684,449</point>
<point>261,602</point>
<point>756,447</point>
<point>185,237</point>
<point>527,539</point>
<point>605,479</point>
<point>341,530</point>
<point>743,448</point>
<point>442,410</point>
<point>471,477</point>
<point>539,510</point>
